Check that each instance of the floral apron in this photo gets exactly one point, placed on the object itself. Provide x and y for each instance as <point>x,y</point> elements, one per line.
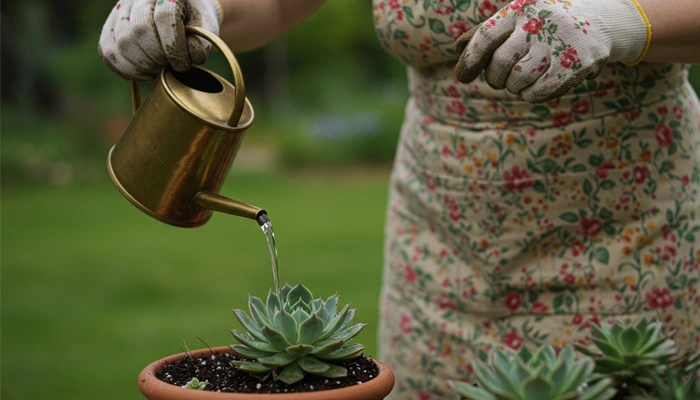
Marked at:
<point>511,223</point>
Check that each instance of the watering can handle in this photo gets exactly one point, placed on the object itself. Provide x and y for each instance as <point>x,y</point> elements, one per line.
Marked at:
<point>239,86</point>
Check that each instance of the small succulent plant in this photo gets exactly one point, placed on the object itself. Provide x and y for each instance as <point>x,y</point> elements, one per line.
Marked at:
<point>629,353</point>
<point>293,334</point>
<point>544,375</point>
<point>195,383</point>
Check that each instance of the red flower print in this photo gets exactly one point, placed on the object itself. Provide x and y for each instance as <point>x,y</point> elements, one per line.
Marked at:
<point>517,179</point>
<point>452,91</point>
<point>533,26</point>
<point>405,323</point>
<point>487,9</point>
<point>578,318</point>
<point>409,274</point>
<point>394,4</point>
<point>539,308</point>
<point>663,110</point>
<point>678,111</point>
<point>423,395</point>
<point>569,57</point>
<point>640,174</point>
<point>459,107</point>
<point>577,248</point>
<point>458,28</point>
<point>490,23</point>
<point>685,180</point>
<point>444,302</point>
<point>454,213</point>
<point>569,279</point>
<point>430,182</point>
<point>513,301</point>
<point>660,299</point>
<point>581,107</point>
<point>561,120</point>
<point>518,5</point>
<point>513,340</point>
<point>602,169</point>
<point>664,136</point>
<point>590,227</point>
<point>399,15</point>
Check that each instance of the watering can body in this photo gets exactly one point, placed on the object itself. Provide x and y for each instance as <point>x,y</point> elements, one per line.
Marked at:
<point>173,158</point>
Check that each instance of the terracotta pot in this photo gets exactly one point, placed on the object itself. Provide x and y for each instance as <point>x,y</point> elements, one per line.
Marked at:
<point>155,389</point>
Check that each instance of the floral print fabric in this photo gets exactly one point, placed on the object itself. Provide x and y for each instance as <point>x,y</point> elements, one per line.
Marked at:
<point>512,223</point>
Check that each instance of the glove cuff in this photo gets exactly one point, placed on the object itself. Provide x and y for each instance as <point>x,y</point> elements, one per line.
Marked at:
<point>629,29</point>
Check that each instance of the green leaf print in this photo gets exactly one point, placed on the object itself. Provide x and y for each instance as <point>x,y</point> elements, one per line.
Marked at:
<point>436,25</point>
<point>605,214</point>
<point>602,255</point>
<point>409,11</point>
<point>463,5</point>
<point>569,217</point>
<point>541,111</point>
<point>607,184</point>
<point>399,34</point>
<point>544,14</point>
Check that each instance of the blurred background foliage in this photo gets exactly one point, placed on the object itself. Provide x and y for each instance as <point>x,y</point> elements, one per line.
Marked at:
<point>92,290</point>
<point>333,99</point>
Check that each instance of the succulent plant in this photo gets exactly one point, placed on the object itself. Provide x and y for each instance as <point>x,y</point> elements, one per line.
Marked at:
<point>544,375</point>
<point>674,386</point>
<point>196,384</point>
<point>629,353</point>
<point>293,334</point>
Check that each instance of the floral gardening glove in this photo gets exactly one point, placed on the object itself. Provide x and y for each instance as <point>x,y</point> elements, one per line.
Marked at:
<point>540,49</point>
<point>141,36</point>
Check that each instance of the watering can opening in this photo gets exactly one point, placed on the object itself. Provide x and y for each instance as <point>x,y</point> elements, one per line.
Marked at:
<point>199,79</point>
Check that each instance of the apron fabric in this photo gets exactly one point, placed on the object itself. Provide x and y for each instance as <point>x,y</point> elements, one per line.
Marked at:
<point>514,224</point>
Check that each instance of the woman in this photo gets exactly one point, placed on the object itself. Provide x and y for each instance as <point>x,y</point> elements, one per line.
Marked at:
<point>555,190</point>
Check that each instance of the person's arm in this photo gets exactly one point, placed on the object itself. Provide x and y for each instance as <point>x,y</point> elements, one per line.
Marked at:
<point>250,24</point>
<point>675,27</point>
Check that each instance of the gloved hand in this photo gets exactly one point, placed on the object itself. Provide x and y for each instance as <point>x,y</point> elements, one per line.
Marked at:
<point>142,36</point>
<point>540,49</point>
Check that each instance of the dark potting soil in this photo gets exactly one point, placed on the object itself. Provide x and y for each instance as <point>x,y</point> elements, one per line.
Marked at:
<point>222,375</point>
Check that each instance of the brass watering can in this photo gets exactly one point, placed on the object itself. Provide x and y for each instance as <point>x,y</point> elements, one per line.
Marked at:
<point>172,159</point>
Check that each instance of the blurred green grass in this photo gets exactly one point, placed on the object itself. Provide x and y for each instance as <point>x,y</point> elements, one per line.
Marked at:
<point>93,290</point>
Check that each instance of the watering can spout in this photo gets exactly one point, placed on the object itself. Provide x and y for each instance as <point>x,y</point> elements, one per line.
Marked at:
<point>216,202</point>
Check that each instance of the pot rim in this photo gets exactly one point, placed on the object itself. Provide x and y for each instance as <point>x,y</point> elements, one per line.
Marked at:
<point>156,389</point>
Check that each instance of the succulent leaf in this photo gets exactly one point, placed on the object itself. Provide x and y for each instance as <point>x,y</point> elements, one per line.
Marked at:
<point>291,373</point>
<point>299,293</point>
<point>344,353</point>
<point>252,367</point>
<point>312,365</point>
<point>287,326</point>
<point>310,330</point>
<point>273,303</point>
<point>327,349</point>
<point>300,315</point>
<point>248,324</point>
<point>331,307</point>
<point>334,323</point>
<point>252,343</point>
<point>275,338</point>
<point>300,350</point>
<point>470,392</point>
<point>335,371</point>
<point>258,310</point>
<point>249,352</point>
<point>284,292</point>
<point>277,360</point>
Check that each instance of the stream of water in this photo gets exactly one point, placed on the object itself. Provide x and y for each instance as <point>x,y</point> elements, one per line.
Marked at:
<point>266,226</point>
